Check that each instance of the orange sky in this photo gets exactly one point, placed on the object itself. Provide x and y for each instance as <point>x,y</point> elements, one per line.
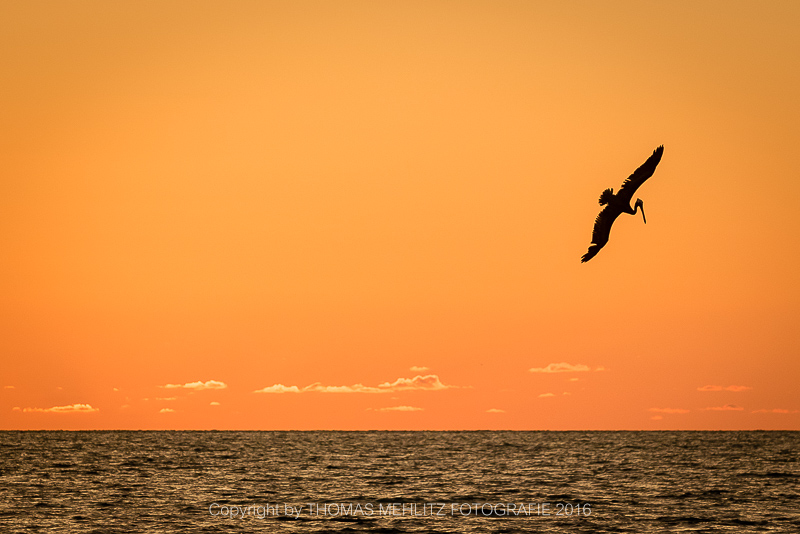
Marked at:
<point>370,215</point>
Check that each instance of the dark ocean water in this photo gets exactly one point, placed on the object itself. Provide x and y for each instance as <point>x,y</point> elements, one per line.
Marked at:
<point>395,482</point>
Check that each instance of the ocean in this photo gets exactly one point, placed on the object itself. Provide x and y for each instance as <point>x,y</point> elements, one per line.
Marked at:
<point>398,482</point>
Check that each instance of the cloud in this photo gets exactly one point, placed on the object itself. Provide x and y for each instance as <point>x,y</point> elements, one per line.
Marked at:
<point>355,388</point>
<point>546,395</point>
<point>775,410</point>
<point>726,388</point>
<point>726,408</point>
<point>419,382</point>
<point>279,388</point>
<point>166,398</point>
<point>166,410</point>
<point>657,417</point>
<point>213,403</point>
<point>72,408</point>
<point>415,369</point>
<point>562,367</point>
<point>495,410</point>
<point>9,387</point>
<point>669,410</point>
<point>400,409</point>
<point>198,386</point>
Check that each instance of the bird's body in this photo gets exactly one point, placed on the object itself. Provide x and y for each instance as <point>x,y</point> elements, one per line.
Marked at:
<point>616,204</point>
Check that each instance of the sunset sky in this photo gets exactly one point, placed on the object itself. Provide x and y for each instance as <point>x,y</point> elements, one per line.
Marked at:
<point>370,215</point>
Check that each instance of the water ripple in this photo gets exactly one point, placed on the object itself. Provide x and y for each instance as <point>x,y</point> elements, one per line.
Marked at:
<point>399,482</point>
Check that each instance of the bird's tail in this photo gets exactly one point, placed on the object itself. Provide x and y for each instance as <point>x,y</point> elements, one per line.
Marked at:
<point>591,253</point>
<point>606,196</point>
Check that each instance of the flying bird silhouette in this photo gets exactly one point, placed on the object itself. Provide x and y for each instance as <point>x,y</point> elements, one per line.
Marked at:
<point>620,203</point>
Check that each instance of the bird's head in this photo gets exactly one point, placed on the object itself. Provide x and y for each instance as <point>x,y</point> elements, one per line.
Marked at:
<point>640,204</point>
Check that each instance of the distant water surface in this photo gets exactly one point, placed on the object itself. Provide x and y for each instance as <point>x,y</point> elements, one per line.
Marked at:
<point>397,482</point>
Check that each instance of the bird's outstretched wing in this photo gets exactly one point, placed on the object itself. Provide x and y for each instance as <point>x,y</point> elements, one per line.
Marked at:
<point>639,176</point>
<point>602,229</point>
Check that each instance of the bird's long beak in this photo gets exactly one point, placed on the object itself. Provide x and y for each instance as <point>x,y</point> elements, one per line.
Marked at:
<point>643,217</point>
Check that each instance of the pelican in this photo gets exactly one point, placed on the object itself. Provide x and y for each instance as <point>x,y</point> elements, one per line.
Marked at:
<point>620,203</point>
